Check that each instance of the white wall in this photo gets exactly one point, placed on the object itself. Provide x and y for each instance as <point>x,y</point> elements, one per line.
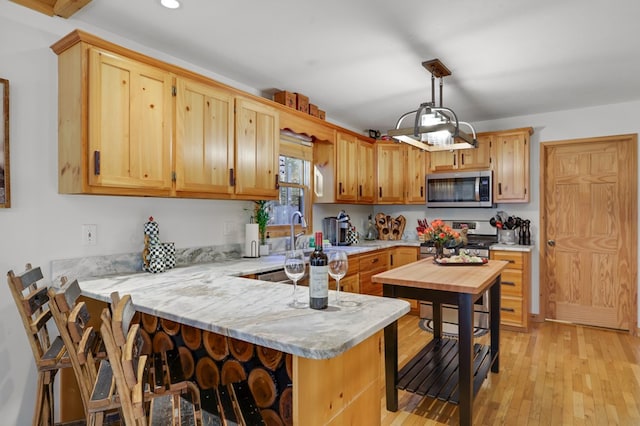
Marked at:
<point>42,225</point>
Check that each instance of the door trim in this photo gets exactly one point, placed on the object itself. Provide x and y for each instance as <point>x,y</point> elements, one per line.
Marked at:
<point>544,146</point>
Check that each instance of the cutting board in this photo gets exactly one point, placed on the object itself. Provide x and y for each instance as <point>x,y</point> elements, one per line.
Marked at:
<point>390,228</point>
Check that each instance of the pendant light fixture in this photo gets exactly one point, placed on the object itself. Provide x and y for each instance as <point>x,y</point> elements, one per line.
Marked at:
<point>435,128</point>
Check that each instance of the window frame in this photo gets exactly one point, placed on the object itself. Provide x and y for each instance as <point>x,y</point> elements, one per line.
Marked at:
<point>290,147</point>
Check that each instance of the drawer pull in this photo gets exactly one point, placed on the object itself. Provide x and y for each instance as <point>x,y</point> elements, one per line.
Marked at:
<point>374,260</point>
<point>508,309</point>
<point>511,283</point>
<point>511,261</point>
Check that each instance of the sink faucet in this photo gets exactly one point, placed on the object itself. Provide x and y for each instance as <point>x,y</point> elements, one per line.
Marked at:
<point>293,235</point>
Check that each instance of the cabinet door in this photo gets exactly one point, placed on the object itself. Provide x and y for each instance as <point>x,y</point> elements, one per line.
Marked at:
<point>350,283</point>
<point>476,158</point>
<point>390,160</point>
<point>442,161</point>
<point>366,175</point>
<point>204,138</point>
<point>129,123</point>
<point>257,141</point>
<point>399,256</point>
<point>346,170</point>
<point>511,168</point>
<point>415,172</point>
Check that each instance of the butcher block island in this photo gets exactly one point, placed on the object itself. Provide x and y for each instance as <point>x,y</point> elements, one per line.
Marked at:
<point>323,365</point>
<point>448,369</point>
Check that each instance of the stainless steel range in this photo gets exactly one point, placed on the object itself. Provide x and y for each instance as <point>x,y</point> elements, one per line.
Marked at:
<point>480,235</point>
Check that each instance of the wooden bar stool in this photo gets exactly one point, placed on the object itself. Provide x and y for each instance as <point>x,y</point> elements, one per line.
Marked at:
<point>32,303</point>
<point>231,404</point>
<point>176,401</point>
<point>85,350</point>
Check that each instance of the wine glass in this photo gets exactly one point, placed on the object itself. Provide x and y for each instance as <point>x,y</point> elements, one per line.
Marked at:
<point>294,267</point>
<point>338,266</point>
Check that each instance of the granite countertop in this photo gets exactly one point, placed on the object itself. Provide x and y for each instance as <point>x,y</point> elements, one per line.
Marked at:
<point>212,297</point>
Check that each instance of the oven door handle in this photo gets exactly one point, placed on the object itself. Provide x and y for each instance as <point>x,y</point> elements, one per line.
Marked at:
<point>477,189</point>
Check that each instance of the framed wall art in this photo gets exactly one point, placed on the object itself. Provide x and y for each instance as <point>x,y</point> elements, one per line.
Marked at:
<point>5,192</point>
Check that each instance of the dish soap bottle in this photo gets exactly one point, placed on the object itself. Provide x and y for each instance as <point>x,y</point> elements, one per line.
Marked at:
<point>372,232</point>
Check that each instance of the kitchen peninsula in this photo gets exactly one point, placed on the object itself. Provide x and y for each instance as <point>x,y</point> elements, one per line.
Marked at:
<point>449,369</point>
<point>336,353</point>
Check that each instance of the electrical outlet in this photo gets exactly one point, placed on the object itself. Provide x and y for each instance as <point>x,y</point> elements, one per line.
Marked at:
<point>89,235</point>
<point>229,228</point>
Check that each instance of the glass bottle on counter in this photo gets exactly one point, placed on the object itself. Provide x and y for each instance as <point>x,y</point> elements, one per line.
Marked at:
<point>318,276</point>
<point>372,232</point>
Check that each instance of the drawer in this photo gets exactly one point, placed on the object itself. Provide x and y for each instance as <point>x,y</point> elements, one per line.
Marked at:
<point>515,258</point>
<point>511,312</point>
<point>511,283</point>
<point>376,260</point>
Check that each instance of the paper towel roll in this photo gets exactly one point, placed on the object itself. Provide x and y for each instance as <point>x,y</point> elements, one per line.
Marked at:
<point>251,240</point>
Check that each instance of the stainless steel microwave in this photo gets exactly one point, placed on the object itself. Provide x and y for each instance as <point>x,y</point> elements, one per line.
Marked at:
<point>461,189</point>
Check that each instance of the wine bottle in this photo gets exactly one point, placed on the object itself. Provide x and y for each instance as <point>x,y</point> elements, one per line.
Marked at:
<point>318,276</point>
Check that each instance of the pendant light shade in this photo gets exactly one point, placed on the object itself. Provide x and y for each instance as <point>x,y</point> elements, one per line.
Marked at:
<point>435,128</point>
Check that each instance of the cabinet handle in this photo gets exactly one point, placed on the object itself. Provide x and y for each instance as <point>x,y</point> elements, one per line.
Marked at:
<point>232,178</point>
<point>422,191</point>
<point>277,181</point>
<point>96,163</point>
<point>380,191</point>
<point>508,309</point>
<point>454,159</point>
<point>511,283</point>
<point>360,190</point>
<point>500,188</point>
<point>461,159</point>
<point>391,259</point>
<point>339,187</point>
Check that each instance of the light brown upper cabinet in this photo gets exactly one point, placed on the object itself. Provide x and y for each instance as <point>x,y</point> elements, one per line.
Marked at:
<point>366,172</point>
<point>390,157</point>
<point>346,167</point>
<point>462,159</point>
<point>132,125</point>
<point>510,163</point>
<point>115,126</point>
<point>130,116</point>
<point>257,140</point>
<point>415,175</point>
<point>401,172</point>
<point>205,146</point>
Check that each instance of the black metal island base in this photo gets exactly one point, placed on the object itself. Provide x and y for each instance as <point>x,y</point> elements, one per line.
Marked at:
<point>448,369</point>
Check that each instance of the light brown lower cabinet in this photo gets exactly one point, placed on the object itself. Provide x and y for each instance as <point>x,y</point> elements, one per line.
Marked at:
<point>370,264</point>
<point>403,255</point>
<point>515,289</point>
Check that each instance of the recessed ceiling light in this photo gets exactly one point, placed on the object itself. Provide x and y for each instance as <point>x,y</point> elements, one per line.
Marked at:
<point>170,4</point>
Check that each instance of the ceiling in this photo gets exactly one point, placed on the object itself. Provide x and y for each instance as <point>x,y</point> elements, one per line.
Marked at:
<point>360,60</point>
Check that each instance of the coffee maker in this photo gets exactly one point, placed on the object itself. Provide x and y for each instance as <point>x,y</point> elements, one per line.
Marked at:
<point>335,229</point>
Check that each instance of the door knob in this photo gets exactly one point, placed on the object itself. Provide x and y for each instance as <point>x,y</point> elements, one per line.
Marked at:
<point>551,243</point>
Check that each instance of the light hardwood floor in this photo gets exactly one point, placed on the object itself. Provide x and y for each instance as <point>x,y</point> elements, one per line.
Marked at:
<point>557,374</point>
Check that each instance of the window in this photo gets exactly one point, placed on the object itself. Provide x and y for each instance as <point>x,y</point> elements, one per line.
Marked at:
<point>295,188</point>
